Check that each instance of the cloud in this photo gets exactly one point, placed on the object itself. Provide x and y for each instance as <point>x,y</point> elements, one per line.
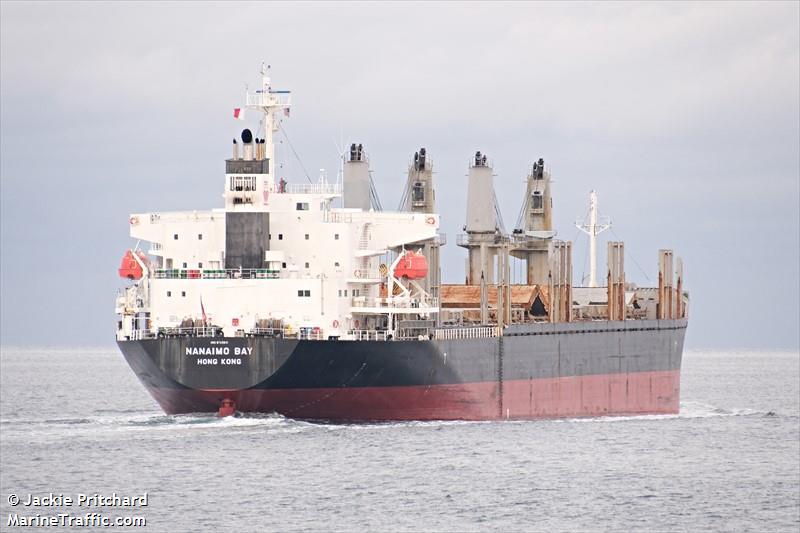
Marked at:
<point>684,116</point>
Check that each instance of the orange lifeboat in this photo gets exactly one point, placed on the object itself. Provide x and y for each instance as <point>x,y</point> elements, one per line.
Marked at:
<point>130,268</point>
<point>411,266</point>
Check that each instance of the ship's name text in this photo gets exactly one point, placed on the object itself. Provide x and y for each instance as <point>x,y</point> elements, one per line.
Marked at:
<point>218,350</point>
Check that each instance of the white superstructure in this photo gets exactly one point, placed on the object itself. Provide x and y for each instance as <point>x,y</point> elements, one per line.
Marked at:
<point>320,270</point>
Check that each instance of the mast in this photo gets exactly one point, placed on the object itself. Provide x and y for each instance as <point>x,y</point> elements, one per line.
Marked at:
<point>593,229</point>
<point>269,101</point>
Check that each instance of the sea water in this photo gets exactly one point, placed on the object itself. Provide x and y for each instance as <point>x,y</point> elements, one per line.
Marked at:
<point>76,422</point>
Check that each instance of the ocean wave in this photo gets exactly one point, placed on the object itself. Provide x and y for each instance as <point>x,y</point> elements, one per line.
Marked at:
<point>147,422</point>
<point>688,410</point>
<point>130,420</point>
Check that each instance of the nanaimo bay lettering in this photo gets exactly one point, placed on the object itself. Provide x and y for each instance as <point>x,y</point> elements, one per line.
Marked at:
<point>218,350</point>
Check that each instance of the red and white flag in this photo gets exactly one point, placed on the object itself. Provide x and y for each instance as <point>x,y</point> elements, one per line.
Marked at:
<point>203,310</point>
<point>238,113</point>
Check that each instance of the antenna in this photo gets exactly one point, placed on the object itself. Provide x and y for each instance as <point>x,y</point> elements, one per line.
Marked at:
<point>341,150</point>
<point>268,102</point>
<point>592,228</point>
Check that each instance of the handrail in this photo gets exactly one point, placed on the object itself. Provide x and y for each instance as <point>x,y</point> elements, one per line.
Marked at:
<point>172,216</point>
<point>228,273</point>
<point>396,303</point>
<point>207,331</point>
<point>482,332</point>
<point>311,188</point>
<point>406,217</point>
<point>490,239</point>
<point>368,335</point>
<point>367,273</point>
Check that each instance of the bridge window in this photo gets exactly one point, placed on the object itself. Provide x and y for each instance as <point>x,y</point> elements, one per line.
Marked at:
<point>305,293</point>
<point>280,236</point>
<point>169,294</point>
<point>199,236</point>
<point>307,236</point>
<point>183,293</point>
<point>302,206</point>
<point>175,236</point>
<point>335,236</point>
<point>243,183</point>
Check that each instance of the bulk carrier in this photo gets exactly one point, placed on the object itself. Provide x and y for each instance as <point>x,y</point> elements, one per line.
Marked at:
<point>308,300</point>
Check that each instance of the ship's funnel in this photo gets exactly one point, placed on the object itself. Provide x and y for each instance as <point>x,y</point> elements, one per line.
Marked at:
<point>247,141</point>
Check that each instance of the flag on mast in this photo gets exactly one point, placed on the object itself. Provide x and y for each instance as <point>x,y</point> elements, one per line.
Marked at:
<point>203,311</point>
<point>238,113</point>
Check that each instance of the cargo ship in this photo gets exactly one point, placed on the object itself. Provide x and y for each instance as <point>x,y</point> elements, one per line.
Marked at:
<point>311,301</point>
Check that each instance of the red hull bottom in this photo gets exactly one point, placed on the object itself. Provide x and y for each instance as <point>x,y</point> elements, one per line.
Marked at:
<point>579,396</point>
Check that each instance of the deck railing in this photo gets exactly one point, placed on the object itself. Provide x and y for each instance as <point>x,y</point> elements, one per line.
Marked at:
<point>368,335</point>
<point>315,334</point>
<point>483,332</point>
<point>207,331</point>
<point>311,188</point>
<point>396,302</point>
<point>367,274</point>
<point>230,273</point>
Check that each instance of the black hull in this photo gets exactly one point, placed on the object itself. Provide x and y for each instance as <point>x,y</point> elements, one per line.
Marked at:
<point>532,371</point>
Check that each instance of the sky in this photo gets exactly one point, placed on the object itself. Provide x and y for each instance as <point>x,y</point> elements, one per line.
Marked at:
<point>684,117</point>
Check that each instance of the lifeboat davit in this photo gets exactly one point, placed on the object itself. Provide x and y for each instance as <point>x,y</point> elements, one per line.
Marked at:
<point>411,266</point>
<point>130,267</point>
